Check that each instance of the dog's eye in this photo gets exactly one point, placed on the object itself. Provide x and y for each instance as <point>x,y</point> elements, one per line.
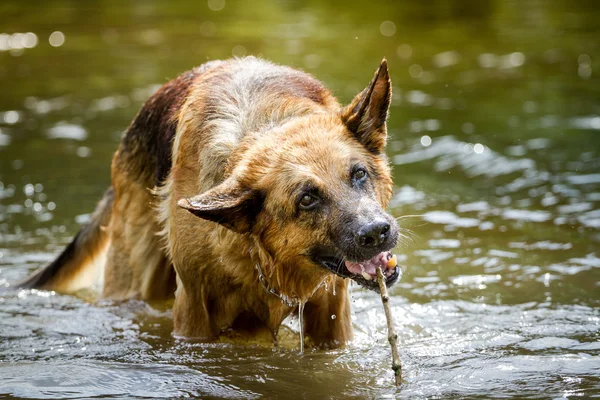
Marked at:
<point>359,175</point>
<point>307,202</point>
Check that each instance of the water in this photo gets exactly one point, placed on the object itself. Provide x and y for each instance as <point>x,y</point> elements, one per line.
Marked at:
<point>494,137</point>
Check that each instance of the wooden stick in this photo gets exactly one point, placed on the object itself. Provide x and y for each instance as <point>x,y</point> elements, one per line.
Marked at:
<point>392,336</point>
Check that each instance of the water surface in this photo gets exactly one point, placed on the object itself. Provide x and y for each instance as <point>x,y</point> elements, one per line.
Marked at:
<point>494,139</point>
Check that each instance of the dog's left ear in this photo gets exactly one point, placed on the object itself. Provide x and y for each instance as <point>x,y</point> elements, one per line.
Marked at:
<point>365,116</point>
<point>229,204</point>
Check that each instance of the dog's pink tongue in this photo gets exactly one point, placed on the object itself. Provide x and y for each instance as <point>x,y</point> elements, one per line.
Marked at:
<point>368,269</point>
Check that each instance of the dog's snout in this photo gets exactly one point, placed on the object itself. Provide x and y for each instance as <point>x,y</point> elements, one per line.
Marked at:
<point>373,234</point>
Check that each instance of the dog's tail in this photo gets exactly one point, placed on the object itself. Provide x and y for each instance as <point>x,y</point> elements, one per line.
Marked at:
<point>73,268</point>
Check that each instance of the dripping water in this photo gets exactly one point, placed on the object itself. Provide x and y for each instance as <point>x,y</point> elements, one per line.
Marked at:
<point>301,324</point>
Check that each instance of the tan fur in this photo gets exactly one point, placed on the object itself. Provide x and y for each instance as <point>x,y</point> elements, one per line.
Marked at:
<point>248,134</point>
<point>137,265</point>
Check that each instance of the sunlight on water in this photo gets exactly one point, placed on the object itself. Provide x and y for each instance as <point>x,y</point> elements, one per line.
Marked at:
<point>496,158</point>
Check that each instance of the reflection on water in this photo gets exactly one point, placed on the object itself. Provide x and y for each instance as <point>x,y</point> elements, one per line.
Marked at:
<point>494,141</point>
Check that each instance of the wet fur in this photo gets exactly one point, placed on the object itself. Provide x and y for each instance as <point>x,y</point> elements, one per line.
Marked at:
<point>232,142</point>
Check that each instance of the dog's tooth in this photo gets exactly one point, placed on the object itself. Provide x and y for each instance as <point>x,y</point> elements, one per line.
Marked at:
<point>392,262</point>
<point>366,276</point>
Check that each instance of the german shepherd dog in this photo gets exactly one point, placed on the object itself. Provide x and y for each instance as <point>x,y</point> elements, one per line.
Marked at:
<point>243,189</point>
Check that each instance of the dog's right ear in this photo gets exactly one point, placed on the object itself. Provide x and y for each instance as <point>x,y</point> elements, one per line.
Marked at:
<point>229,204</point>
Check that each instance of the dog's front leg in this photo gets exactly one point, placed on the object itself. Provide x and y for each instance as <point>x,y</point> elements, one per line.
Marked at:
<point>191,316</point>
<point>327,315</point>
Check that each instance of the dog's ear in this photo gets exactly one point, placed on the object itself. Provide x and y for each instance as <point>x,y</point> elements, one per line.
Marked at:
<point>365,116</point>
<point>229,204</point>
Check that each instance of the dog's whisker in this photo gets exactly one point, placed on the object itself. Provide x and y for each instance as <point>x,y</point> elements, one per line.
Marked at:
<point>404,217</point>
<point>409,216</point>
<point>341,263</point>
<point>406,236</point>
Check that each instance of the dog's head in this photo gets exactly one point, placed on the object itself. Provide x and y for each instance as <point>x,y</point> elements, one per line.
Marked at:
<point>312,192</point>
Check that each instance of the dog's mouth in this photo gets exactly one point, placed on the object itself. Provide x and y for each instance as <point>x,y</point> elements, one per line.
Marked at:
<point>364,272</point>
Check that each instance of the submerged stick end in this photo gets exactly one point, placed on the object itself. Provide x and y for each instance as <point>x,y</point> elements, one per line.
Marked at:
<point>392,336</point>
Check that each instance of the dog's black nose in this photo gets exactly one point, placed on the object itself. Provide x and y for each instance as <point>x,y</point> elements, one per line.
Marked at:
<point>373,234</point>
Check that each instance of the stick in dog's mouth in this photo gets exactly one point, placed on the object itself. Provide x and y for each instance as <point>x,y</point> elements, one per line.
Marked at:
<point>365,272</point>
<point>368,269</point>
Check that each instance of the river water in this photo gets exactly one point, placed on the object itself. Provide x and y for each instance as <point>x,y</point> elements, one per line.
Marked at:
<point>495,143</point>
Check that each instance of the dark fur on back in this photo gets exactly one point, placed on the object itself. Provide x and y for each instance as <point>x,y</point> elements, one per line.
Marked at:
<point>148,140</point>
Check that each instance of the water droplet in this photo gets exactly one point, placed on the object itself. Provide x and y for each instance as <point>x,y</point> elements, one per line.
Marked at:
<point>478,148</point>
<point>432,125</point>
<point>404,51</point>
<point>29,40</point>
<point>584,59</point>
<point>446,59</point>
<point>16,41</point>
<point>415,71</point>
<point>56,39</point>
<point>516,59</point>
<point>29,189</point>
<point>216,5</point>
<point>584,71</point>
<point>4,42</point>
<point>238,51</point>
<point>11,117</point>
<point>487,60</point>
<point>530,107</point>
<point>387,28</point>
<point>416,126</point>
<point>208,28</point>
<point>83,151</point>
